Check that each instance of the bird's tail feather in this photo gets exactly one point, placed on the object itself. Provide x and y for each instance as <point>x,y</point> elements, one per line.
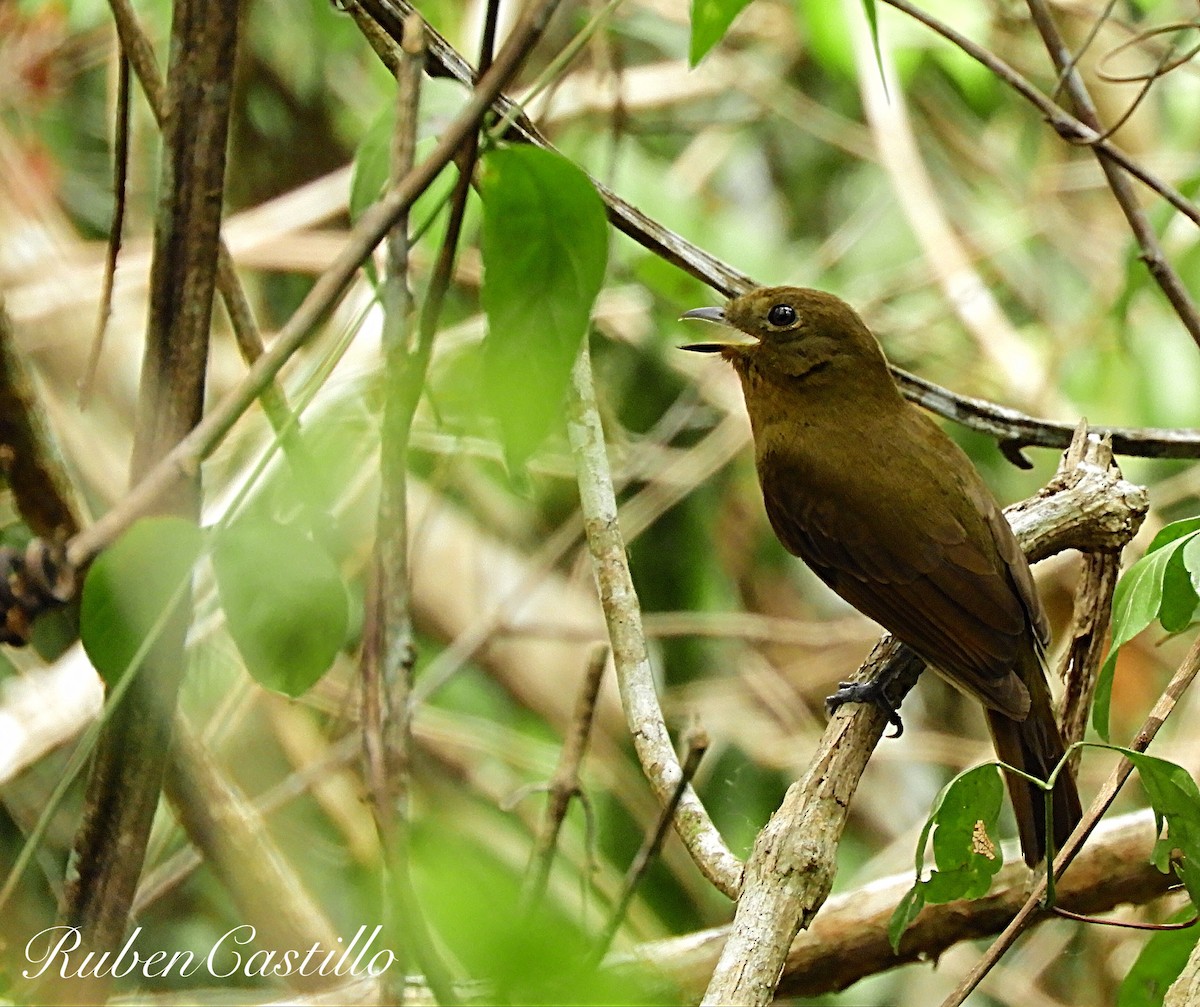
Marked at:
<point>1035,746</point>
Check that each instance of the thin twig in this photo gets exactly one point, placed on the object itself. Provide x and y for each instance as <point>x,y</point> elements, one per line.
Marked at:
<point>622,613</point>
<point>564,784</point>
<point>388,650</point>
<point>1015,430</point>
<point>695,744</point>
<point>1066,125</point>
<point>1143,231</point>
<point>1029,911</point>
<point>116,227</point>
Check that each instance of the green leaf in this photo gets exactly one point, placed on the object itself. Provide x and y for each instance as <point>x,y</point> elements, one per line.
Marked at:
<point>545,250</point>
<point>1102,701</point>
<point>1158,965</point>
<point>1179,598</point>
<point>873,24</point>
<point>963,822</point>
<point>1175,799</point>
<point>907,909</point>
<point>710,21</point>
<point>1139,599</point>
<point>128,588</point>
<point>284,600</point>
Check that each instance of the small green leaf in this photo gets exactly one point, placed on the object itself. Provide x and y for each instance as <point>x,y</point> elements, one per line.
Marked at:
<point>545,250</point>
<point>907,910</point>
<point>873,24</point>
<point>1138,597</point>
<point>710,21</point>
<point>284,600</point>
<point>128,588</point>
<point>1179,599</point>
<point>1175,530</point>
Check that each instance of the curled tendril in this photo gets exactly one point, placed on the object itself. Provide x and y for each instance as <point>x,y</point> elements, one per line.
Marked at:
<point>1164,66</point>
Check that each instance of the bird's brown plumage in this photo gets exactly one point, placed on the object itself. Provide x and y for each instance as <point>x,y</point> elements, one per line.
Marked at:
<point>891,514</point>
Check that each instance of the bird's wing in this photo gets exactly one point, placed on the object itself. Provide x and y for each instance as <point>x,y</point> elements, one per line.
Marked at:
<point>965,602</point>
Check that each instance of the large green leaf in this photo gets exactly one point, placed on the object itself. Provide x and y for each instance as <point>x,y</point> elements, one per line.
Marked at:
<point>1161,585</point>
<point>1175,799</point>
<point>284,600</point>
<point>545,250</point>
<point>129,588</point>
<point>710,21</point>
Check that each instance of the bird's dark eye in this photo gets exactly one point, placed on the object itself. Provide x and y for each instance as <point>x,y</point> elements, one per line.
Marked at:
<point>781,315</point>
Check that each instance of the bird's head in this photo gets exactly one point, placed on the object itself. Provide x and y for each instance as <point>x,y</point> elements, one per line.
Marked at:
<point>792,331</point>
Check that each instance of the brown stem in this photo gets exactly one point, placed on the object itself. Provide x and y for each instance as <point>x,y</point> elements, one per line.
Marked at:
<point>132,753</point>
<point>848,941</point>
<point>564,784</point>
<point>1122,189</point>
<point>695,744</point>
<point>113,246</point>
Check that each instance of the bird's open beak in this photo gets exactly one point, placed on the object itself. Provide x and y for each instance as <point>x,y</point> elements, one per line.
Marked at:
<point>717,315</point>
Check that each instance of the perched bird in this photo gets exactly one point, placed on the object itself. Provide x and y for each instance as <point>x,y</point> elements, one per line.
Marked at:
<point>889,512</point>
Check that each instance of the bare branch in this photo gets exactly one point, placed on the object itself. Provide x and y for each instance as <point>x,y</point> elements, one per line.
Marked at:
<point>848,940</point>
<point>695,744</point>
<point>565,783</point>
<point>618,597</point>
<point>1080,666</point>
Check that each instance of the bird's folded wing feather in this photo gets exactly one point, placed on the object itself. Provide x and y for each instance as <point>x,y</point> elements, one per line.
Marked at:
<point>967,606</point>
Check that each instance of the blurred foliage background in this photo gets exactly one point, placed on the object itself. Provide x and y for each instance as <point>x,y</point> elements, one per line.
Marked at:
<point>986,253</point>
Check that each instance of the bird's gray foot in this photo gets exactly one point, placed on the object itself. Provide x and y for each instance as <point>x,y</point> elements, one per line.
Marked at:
<point>873,692</point>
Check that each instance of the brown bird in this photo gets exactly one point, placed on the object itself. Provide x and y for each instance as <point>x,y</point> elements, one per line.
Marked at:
<point>889,512</point>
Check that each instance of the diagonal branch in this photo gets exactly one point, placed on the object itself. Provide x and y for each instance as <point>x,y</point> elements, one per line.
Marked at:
<point>1029,912</point>
<point>1122,189</point>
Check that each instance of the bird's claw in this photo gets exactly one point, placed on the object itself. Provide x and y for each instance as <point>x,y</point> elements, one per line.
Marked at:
<point>872,692</point>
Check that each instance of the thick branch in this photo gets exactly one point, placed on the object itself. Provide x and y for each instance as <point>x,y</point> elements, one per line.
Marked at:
<point>849,942</point>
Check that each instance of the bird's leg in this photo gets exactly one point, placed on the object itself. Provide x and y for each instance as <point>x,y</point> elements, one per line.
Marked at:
<point>873,691</point>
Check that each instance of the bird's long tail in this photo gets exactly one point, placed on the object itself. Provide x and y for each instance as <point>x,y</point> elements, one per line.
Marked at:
<point>1035,746</point>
